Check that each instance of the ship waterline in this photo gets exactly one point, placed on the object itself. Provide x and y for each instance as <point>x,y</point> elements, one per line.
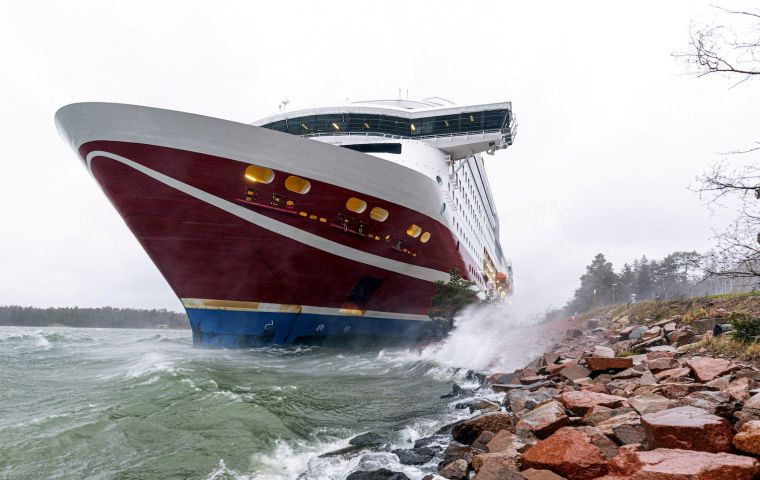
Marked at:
<point>272,238</point>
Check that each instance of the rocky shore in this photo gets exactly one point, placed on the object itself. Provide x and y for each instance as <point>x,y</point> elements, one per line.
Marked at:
<point>614,399</point>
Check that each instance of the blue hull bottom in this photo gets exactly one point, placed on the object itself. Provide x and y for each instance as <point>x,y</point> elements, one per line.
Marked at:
<point>246,329</point>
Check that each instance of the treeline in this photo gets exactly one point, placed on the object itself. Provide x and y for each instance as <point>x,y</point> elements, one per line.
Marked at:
<point>103,317</point>
<point>679,274</point>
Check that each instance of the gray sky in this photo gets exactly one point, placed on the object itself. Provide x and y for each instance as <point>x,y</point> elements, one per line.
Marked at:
<point>611,131</point>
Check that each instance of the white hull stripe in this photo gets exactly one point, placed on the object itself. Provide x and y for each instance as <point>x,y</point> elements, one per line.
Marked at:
<point>205,304</point>
<point>280,228</point>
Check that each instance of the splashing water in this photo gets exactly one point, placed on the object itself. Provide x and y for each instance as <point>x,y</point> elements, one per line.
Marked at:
<point>489,338</point>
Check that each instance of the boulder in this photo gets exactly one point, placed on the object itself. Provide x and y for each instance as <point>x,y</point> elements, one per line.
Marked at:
<point>650,403</point>
<point>544,419</point>
<point>533,474</point>
<point>456,470</point>
<point>505,441</point>
<point>748,438</point>
<point>602,351</point>
<point>709,368</point>
<point>468,430</point>
<point>414,456</point>
<point>688,428</point>
<point>381,474</point>
<point>676,464</point>
<point>608,363</point>
<point>570,453</point>
<point>580,402</point>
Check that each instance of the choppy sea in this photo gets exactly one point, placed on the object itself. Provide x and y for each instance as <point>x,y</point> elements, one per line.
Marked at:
<point>144,404</point>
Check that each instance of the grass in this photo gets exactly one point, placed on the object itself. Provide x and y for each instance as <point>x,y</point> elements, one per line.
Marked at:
<point>726,346</point>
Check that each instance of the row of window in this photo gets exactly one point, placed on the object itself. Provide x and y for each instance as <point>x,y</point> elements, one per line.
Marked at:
<point>489,120</point>
<point>259,174</point>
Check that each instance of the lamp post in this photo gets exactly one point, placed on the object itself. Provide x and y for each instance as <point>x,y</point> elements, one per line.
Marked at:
<point>613,293</point>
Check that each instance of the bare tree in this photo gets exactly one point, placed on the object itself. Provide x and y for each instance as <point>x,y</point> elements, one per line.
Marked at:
<point>732,50</point>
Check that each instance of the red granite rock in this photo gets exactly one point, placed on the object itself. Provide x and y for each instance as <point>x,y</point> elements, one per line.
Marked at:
<point>675,464</point>
<point>708,368</point>
<point>688,428</point>
<point>581,401</point>
<point>607,363</point>
<point>570,453</point>
<point>748,438</point>
<point>468,430</point>
<point>544,419</point>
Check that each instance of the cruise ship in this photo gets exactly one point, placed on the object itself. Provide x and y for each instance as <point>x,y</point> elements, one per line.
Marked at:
<point>324,226</point>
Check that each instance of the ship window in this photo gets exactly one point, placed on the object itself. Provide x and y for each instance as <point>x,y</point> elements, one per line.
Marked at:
<point>425,237</point>
<point>297,184</point>
<point>379,214</point>
<point>356,205</point>
<point>413,231</point>
<point>259,174</point>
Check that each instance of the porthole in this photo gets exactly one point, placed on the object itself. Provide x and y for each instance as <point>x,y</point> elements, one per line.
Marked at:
<point>425,237</point>
<point>356,205</point>
<point>378,214</point>
<point>297,184</point>
<point>413,231</point>
<point>259,174</point>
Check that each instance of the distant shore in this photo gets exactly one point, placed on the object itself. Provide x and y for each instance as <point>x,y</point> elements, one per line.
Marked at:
<point>102,317</point>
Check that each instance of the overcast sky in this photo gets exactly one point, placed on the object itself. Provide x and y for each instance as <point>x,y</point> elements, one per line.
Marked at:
<point>611,130</point>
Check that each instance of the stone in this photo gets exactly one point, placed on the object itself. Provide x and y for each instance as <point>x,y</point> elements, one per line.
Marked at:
<point>505,441</point>
<point>629,433</point>
<point>570,453</point>
<point>482,440</point>
<point>650,403</point>
<point>468,430</point>
<point>739,389</point>
<point>748,438</point>
<point>676,464</point>
<point>457,451</point>
<point>533,474</point>
<point>708,368</point>
<point>580,402</point>
<point>456,470</point>
<point>544,419</point>
<point>602,351</point>
<point>494,462</point>
<point>672,374</point>
<point>660,364</point>
<point>606,363</point>
<point>414,456</point>
<point>688,428</point>
<point>575,371</point>
<point>381,474</point>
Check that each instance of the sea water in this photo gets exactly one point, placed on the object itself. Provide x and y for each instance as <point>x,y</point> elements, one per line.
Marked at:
<point>144,404</point>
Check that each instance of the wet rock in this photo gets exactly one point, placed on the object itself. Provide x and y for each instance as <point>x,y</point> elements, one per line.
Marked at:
<point>708,368</point>
<point>482,440</point>
<point>544,419</point>
<point>570,453</point>
<point>505,441</point>
<point>467,431</point>
<point>748,438</point>
<point>673,374</point>
<point>688,428</point>
<point>674,464</point>
<point>580,402</point>
<point>456,470</point>
<point>533,474</point>
<point>381,474</point>
<point>574,371</point>
<point>650,403</point>
<point>415,456</point>
<point>608,363</point>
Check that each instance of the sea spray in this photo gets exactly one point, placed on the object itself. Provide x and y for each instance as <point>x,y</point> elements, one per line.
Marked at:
<point>488,337</point>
